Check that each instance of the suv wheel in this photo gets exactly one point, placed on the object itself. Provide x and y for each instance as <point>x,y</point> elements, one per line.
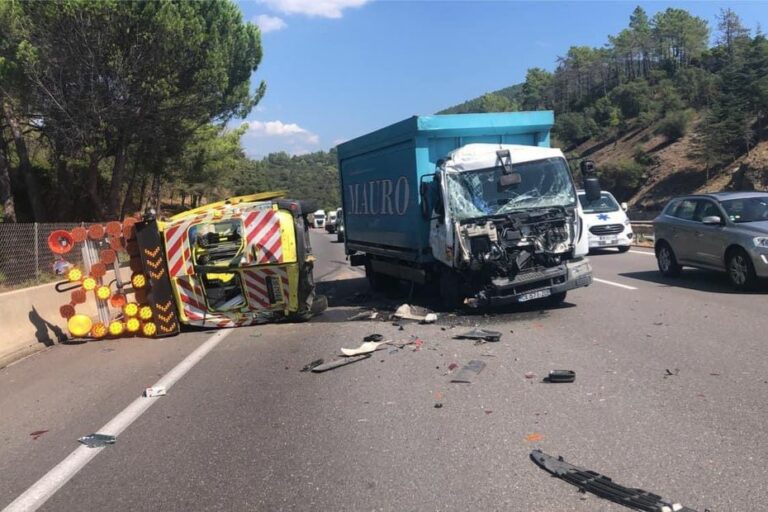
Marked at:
<point>741,271</point>
<point>665,257</point>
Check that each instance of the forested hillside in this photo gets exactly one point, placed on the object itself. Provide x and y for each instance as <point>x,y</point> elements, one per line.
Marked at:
<point>661,109</point>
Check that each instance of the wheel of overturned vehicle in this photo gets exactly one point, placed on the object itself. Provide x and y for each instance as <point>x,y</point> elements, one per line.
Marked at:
<point>624,248</point>
<point>450,290</point>
<point>741,271</point>
<point>665,257</point>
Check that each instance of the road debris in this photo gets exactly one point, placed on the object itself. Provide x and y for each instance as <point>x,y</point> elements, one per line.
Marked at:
<point>366,348</point>
<point>374,337</point>
<point>534,438</point>
<point>97,440</point>
<point>530,375</point>
<point>367,314</point>
<point>468,372</point>
<point>338,363</point>
<point>603,487</point>
<point>479,335</point>
<point>37,434</point>
<point>453,366</point>
<point>438,405</point>
<point>155,391</point>
<point>408,312</point>
<point>560,376</point>
<point>313,364</point>
<point>669,373</point>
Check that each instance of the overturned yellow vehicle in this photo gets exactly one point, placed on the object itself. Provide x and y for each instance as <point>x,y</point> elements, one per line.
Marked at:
<point>242,261</point>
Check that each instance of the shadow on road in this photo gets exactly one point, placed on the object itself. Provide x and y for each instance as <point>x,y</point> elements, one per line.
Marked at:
<point>41,329</point>
<point>694,279</point>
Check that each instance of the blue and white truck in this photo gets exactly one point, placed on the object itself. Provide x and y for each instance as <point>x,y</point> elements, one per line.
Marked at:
<point>476,205</point>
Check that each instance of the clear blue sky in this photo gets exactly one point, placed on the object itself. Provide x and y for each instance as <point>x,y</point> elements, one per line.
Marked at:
<point>336,69</point>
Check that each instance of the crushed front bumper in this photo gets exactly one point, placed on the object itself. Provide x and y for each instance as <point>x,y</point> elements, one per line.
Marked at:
<point>535,285</point>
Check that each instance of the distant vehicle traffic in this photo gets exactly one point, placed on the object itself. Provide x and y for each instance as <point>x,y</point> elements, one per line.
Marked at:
<point>318,219</point>
<point>476,205</point>
<point>339,225</point>
<point>726,231</point>
<point>607,223</point>
<point>330,222</point>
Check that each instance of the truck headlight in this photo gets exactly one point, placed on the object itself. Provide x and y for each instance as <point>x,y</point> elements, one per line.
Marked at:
<point>761,241</point>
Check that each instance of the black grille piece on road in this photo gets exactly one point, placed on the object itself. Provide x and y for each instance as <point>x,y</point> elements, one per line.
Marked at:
<point>608,229</point>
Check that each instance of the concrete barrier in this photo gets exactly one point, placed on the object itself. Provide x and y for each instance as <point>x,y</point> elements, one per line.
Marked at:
<point>31,320</point>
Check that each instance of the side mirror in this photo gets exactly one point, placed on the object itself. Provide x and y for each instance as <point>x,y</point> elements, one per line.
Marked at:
<point>624,206</point>
<point>712,220</point>
<point>592,188</point>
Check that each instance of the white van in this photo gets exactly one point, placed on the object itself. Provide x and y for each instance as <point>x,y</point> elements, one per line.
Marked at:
<point>330,222</point>
<point>318,218</point>
<point>607,222</point>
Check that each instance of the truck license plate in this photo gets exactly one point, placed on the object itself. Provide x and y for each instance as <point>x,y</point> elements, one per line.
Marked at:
<point>540,294</point>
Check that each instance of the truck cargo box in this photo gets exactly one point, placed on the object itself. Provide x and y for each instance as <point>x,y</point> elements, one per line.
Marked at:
<point>381,172</point>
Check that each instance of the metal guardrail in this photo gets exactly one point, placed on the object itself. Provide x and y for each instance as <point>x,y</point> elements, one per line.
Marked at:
<point>25,259</point>
<point>643,231</point>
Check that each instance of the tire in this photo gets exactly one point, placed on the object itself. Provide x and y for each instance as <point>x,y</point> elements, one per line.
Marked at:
<point>451,297</point>
<point>665,258</point>
<point>378,282</point>
<point>741,271</point>
<point>555,299</point>
<point>339,236</point>
<point>624,248</point>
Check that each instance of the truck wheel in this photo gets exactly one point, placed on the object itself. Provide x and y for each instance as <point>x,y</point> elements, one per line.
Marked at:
<point>450,293</point>
<point>556,299</point>
<point>741,271</point>
<point>378,282</point>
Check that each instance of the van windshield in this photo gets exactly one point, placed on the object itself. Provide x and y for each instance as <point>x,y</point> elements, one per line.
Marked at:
<point>543,183</point>
<point>605,204</point>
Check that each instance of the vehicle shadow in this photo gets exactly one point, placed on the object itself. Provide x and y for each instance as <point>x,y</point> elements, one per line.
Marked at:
<point>695,279</point>
<point>608,251</point>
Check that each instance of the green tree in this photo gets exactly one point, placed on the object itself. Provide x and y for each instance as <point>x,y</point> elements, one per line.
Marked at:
<point>537,89</point>
<point>679,36</point>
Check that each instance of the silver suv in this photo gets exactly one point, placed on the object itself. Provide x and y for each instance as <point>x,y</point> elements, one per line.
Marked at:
<point>723,231</point>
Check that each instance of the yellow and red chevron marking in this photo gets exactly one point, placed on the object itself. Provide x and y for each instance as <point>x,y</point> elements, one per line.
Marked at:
<point>177,247</point>
<point>192,299</point>
<point>255,282</point>
<point>263,236</point>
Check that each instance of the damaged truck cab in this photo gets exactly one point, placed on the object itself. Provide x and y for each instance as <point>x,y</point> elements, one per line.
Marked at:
<point>476,205</point>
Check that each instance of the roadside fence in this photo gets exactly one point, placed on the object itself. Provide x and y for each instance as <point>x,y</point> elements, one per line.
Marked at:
<point>26,260</point>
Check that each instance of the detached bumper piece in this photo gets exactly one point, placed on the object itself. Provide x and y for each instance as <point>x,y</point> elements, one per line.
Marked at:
<point>603,487</point>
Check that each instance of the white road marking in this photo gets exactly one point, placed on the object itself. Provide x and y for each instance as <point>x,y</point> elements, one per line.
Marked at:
<point>614,284</point>
<point>647,253</point>
<point>34,497</point>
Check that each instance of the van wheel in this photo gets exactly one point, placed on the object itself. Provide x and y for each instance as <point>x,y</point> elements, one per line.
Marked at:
<point>451,297</point>
<point>741,271</point>
<point>665,257</point>
<point>624,248</point>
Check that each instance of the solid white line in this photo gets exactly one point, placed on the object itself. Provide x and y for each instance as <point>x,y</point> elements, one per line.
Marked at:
<point>647,253</point>
<point>34,497</point>
<point>614,284</point>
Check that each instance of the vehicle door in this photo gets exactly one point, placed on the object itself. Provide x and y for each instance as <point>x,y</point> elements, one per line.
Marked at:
<point>440,225</point>
<point>709,240</point>
<point>682,229</point>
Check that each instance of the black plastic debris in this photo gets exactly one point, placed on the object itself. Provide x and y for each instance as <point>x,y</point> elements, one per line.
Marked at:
<point>468,372</point>
<point>374,337</point>
<point>479,335</point>
<point>97,440</point>
<point>603,487</point>
<point>560,376</point>
<point>313,364</point>
<point>338,363</point>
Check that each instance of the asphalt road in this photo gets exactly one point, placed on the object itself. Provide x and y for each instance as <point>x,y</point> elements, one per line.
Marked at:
<point>669,396</point>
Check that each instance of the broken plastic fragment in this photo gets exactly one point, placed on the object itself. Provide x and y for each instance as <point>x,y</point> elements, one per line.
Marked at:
<point>97,440</point>
<point>313,364</point>
<point>365,348</point>
<point>560,376</point>
<point>339,362</point>
<point>364,315</point>
<point>374,337</point>
<point>469,371</point>
<point>534,438</point>
<point>155,391</point>
<point>603,487</point>
<point>37,433</point>
<point>408,312</point>
<point>479,334</point>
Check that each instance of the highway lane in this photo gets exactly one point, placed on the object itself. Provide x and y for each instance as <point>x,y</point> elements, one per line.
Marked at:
<point>246,430</point>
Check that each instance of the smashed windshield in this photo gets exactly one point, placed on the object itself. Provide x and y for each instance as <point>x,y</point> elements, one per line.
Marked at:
<point>605,204</point>
<point>750,209</point>
<point>543,183</point>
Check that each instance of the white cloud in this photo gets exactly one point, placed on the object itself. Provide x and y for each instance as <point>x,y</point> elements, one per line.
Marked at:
<point>269,23</point>
<point>336,142</point>
<point>263,137</point>
<point>321,8</point>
